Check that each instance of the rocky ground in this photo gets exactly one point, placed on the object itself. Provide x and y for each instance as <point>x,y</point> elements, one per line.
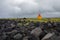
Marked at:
<point>23,30</point>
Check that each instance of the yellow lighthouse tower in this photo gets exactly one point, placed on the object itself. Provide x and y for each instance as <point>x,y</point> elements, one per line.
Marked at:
<point>39,17</point>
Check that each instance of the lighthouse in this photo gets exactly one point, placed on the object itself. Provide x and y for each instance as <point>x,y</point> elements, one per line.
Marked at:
<point>39,17</point>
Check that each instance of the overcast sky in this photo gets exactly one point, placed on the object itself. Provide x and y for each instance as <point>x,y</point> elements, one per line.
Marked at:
<point>29,8</point>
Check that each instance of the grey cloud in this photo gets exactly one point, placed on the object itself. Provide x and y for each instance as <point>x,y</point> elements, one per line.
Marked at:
<point>29,8</point>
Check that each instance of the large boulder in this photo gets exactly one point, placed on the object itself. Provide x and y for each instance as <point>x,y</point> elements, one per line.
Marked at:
<point>36,31</point>
<point>48,36</point>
